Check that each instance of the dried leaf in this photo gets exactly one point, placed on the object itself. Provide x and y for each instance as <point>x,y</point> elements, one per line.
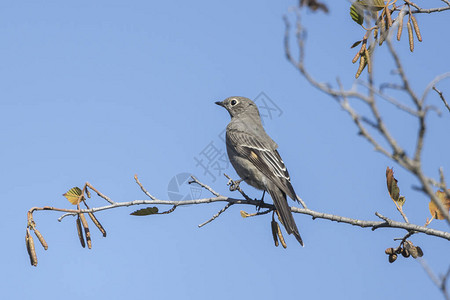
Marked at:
<point>357,13</point>
<point>393,188</point>
<point>400,29</point>
<point>434,210</point>
<point>410,36</point>
<point>145,211</point>
<point>74,195</point>
<point>274,226</point>
<point>373,5</point>
<point>416,28</point>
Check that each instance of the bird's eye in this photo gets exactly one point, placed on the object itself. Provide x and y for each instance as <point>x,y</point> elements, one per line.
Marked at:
<point>233,102</point>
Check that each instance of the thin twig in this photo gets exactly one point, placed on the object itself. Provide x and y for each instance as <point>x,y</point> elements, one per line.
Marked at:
<point>441,95</point>
<point>142,188</point>
<point>440,283</point>
<point>216,215</point>
<point>99,194</point>
<point>195,180</point>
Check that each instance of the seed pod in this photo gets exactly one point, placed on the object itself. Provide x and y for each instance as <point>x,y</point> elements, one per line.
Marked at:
<point>410,36</point>
<point>30,248</point>
<point>97,223</point>
<point>416,28</point>
<point>400,29</point>
<point>80,233</point>
<point>392,258</point>
<point>41,239</point>
<point>86,230</point>
<point>389,251</point>
<point>274,226</point>
<point>405,253</point>
<point>419,251</point>
<point>362,64</point>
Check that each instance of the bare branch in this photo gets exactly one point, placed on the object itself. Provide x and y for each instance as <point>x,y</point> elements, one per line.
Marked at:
<point>142,188</point>
<point>441,283</point>
<point>388,223</point>
<point>195,180</point>
<point>441,95</point>
<point>216,215</point>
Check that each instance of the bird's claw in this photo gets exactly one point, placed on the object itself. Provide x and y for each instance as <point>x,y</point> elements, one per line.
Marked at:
<point>234,185</point>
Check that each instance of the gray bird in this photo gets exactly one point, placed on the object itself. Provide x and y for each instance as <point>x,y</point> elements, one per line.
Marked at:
<point>255,158</point>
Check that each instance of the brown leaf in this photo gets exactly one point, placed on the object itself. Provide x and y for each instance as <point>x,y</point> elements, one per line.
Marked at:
<point>434,210</point>
<point>393,188</point>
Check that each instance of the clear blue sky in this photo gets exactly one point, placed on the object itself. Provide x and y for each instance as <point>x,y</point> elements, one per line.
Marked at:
<point>101,90</point>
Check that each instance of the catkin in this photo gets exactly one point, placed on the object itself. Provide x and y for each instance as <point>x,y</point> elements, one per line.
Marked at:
<point>80,233</point>
<point>274,226</point>
<point>416,28</point>
<point>86,230</point>
<point>30,248</point>
<point>400,29</point>
<point>410,36</point>
<point>362,64</point>
<point>41,239</point>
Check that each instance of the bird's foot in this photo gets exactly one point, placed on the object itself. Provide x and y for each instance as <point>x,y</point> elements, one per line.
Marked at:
<point>260,204</point>
<point>234,184</point>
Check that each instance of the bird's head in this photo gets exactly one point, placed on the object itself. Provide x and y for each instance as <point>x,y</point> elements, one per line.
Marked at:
<point>236,105</point>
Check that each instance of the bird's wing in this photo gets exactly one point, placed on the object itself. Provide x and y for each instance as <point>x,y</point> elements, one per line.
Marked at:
<point>264,157</point>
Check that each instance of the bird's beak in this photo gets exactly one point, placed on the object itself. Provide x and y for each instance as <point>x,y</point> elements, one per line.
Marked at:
<point>220,103</point>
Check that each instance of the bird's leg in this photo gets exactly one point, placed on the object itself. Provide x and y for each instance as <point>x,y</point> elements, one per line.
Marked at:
<point>261,202</point>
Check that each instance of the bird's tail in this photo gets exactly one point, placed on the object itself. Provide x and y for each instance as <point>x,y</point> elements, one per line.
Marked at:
<point>281,205</point>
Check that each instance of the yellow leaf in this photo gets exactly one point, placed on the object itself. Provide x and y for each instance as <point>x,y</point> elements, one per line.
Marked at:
<point>434,210</point>
<point>74,195</point>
